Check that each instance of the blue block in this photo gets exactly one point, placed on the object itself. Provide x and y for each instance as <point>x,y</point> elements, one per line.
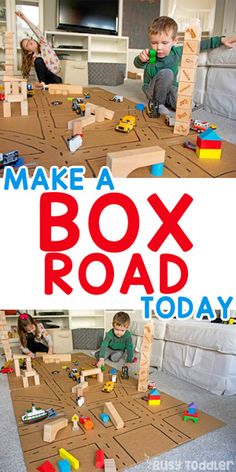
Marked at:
<point>104,417</point>
<point>64,466</point>
<point>140,106</point>
<point>210,135</point>
<point>157,169</point>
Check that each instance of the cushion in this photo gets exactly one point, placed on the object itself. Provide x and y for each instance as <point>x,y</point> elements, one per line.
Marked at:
<point>222,55</point>
<point>137,328</point>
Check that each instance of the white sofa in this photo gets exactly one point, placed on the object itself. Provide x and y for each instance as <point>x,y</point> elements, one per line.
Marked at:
<point>216,81</point>
<point>199,352</point>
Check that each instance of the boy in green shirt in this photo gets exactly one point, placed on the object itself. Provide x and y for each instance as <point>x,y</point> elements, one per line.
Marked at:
<point>117,341</point>
<point>160,78</point>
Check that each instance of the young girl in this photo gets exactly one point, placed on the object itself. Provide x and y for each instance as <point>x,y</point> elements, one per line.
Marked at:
<point>39,53</point>
<point>33,336</point>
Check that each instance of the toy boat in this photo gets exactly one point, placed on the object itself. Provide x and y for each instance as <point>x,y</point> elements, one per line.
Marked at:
<point>34,415</point>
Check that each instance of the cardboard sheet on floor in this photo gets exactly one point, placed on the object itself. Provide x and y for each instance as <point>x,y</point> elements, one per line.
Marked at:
<point>148,430</point>
<point>41,138</point>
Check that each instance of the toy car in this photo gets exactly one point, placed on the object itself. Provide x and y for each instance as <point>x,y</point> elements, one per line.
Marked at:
<point>8,158</point>
<point>189,145</point>
<point>117,98</point>
<point>6,370</point>
<point>108,386</point>
<point>199,126</point>
<point>78,105</point>
<point>2,96</point>
<point>30,91</point>
<point>124,372</point>
<point>152,109</point>
<point>83,419</point>
<point>170,120</point>
<point>126,124</point>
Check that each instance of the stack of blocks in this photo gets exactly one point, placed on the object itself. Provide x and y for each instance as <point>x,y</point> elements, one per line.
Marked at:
<point>187,79</point>
<point>209,145</point>
<point>15,91</point>
<point>4,336</point>
<point>9,62</point>
<point>191,413</point>
<point>154,397</point>
<point>145,357</point>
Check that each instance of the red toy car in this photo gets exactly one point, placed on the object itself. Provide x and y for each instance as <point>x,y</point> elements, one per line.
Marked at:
<point>6,370</point>
<point>2,97</point>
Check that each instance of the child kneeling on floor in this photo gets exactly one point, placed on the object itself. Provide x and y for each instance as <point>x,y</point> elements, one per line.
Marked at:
<point>33,336</point>
<point>117,341</point>
<point>39,53</point>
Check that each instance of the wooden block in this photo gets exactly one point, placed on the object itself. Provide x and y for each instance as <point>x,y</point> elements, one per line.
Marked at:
<point>109,114</point>
<point>100,114</point>
<point>109,465</point>
<point>76,127</point>
<point>30,373</point>
<point>24,108</point>
<point>56,357</point>
<point>9,51</point>
<point>183,115</point>
<point>17,367</point>
<point>122,163</point>
<point>187,75</point>
<point>25,382</point>
<point>88,108</point>
<point>191,47</point>
<point>51,429</point>
<point>181,128</point>
<point>75,89</point>
<point>15,98</point>
<point>192,33</point>
<point>87,120</point>
<point>185,88</point>
<point>11,78</point>
<point>145,357</point>
<point>88,372</point>
<point>8,68</point>
<point>189,61</point>
<point>114,415</point>
<point>184,101</point>
<point>6,109</point>
<point>78,389</point>
<point>36,379</point>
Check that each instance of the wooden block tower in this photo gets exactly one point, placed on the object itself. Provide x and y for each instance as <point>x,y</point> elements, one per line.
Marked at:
<point>145,358</point>
<point>209,145</point>
<point>15,91</point>
<point>187,79</point>
<point>9,61</point>
<point>4,340</point>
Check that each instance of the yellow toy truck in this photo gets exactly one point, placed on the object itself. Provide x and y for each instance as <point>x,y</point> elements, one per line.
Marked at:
<point>108,386</point>
<point>126,124</point>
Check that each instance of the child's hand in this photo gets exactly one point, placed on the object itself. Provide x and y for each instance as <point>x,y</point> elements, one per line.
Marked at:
<point>20,15</point>
<point>144,55</point>
<point>100,363</point>
<point>229,42</point>
<point>31,354</point>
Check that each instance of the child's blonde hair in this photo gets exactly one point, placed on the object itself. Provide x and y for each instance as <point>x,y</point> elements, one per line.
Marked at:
<point>27,59</point>
<point>163,24</point>
<point>121,319</point>
<point>25,320</point>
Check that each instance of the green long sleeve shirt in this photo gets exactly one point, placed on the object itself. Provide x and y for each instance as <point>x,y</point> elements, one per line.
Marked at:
<point>172,61</point>
<point>124,343</point>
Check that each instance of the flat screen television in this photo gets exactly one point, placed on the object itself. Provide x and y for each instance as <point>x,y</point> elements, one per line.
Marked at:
<point>88,16</point>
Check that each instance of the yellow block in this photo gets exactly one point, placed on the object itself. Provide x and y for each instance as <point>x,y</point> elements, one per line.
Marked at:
<point>154,402</point>
<point>208,153</point>
<point>71,459</point>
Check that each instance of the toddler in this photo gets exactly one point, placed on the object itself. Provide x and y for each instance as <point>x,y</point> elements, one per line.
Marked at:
<point>33,336</point>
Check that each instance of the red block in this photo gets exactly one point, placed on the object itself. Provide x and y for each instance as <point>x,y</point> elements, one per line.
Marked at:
<point>208,144</point>
<point>154,397</point>
<point>99,464</point>
<point>195,415</point>
<point>46,467</point>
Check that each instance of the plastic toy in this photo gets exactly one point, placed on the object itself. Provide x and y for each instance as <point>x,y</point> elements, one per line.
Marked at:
<point>74,143</point>
<point>46,467</point>
<point>170,120</point>
<point>8,158</point>
<point>99,463</point>
<point>126,124</point>
<point>87,95</point>
<point>108,386</point>
<point>117,98</point>
<point>104,417</point>
<point>152,109</point>
<point>2,97</point>
<point>71,459</point>
<point>154,397</point>
<point>140,106</point>
<point>56,102</point>
<point>34,415</point>
<point>189,145</point>
<point>6,370</point>
<point>152,56</point>
<point>83,419</point>
<point>199,126</point>
<point>209,145</point>
<point>30,91</point>
<point>124,372</point>
<point>64,465</point>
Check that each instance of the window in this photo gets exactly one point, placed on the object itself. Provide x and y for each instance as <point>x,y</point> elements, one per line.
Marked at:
<point>185,11</point>
<point>31,10</point>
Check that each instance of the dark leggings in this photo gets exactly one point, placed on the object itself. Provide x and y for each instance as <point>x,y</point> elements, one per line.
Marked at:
<point>44,74</point>
<point>35,346</point>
